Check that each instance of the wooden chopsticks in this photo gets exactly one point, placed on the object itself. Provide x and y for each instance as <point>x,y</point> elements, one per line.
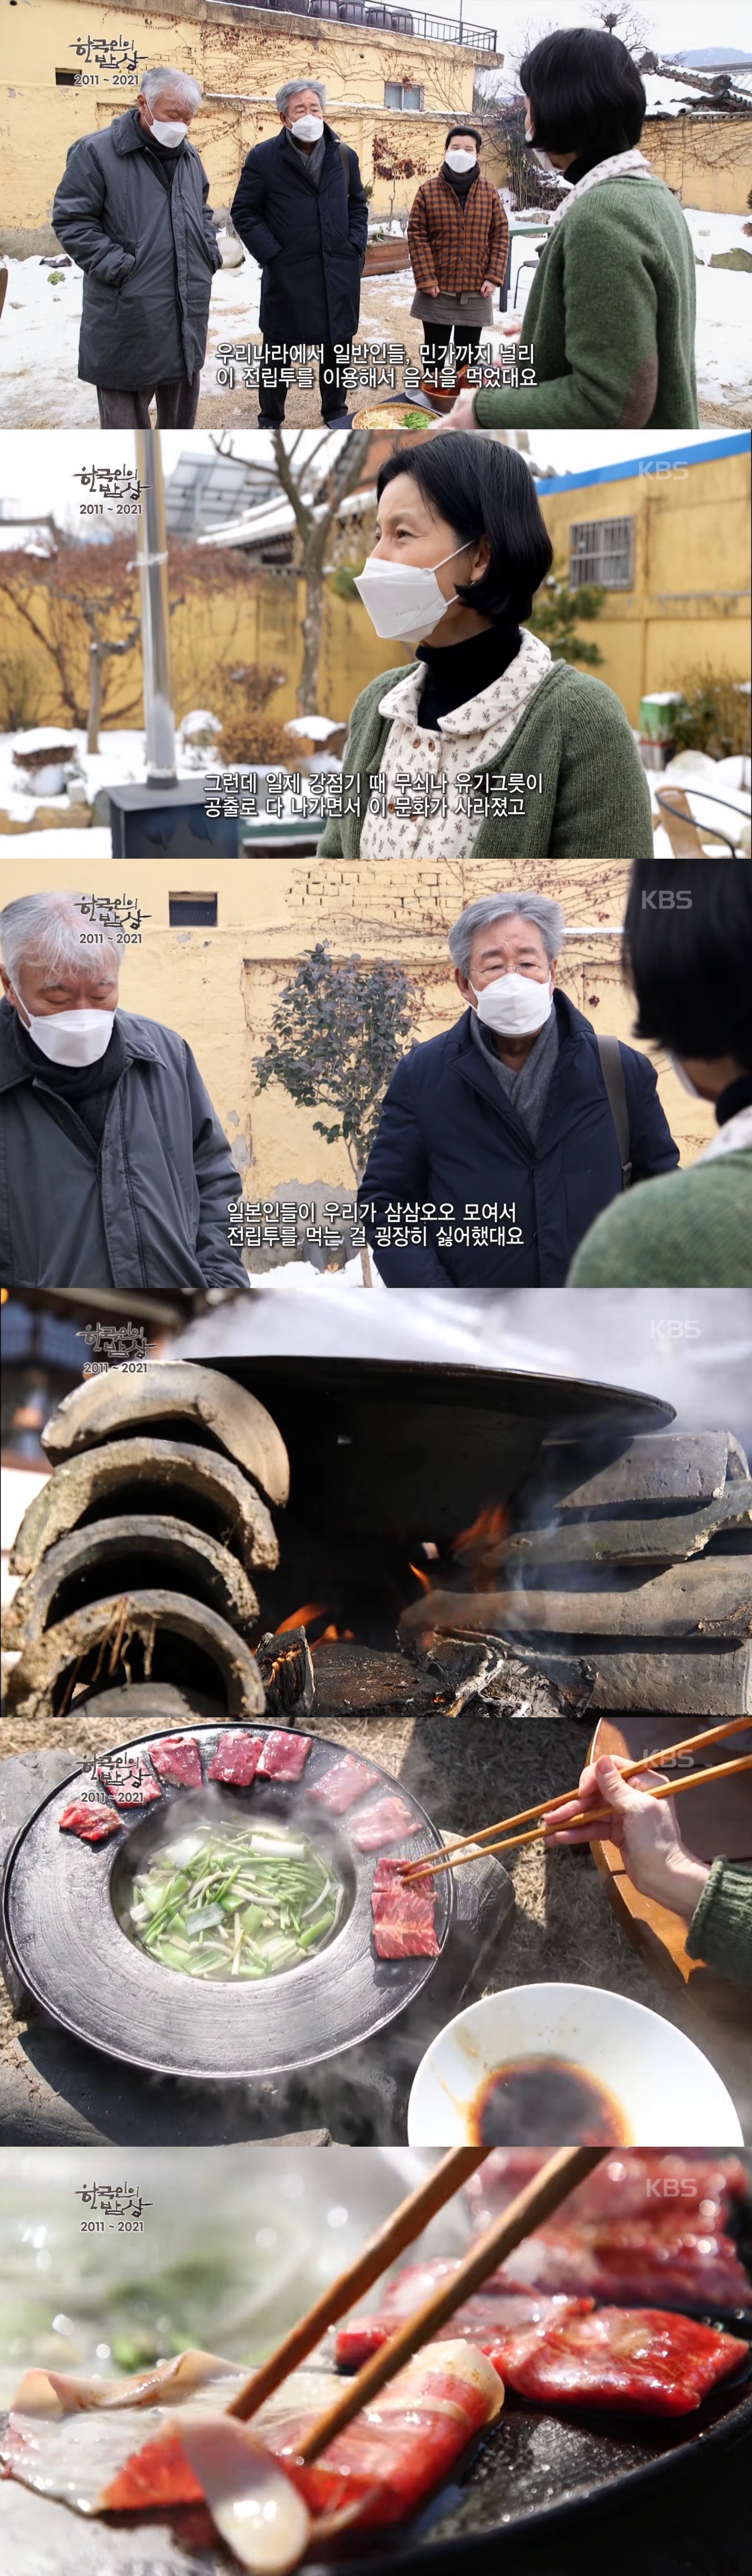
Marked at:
<point>560,2175</point>
<point>646,1762</point>
<point>383,2249</point>
<point>591,1816</point>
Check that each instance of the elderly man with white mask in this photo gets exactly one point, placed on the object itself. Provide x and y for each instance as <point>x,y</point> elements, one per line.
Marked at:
<point>116,1172</point>
<point>513,1127</point>
<point>301,209</point>
<point>132,212</point>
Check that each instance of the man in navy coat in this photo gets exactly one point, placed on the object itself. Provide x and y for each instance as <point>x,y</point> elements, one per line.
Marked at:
<point>502,1127</point>
<point>301,209</point>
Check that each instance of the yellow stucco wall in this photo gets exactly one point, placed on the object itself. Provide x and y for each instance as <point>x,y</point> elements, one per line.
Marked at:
<point>240,60</point>
<point>689,607</point>
<point>705,159</point>
<point>218,987</point>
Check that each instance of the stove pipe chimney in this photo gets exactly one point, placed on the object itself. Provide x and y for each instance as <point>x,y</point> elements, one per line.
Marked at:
<point>159,720</point>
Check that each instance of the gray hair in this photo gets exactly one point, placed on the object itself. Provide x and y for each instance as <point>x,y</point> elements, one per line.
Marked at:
<point>547,916</point>
<point>186,88</point>
<point>45,930</point>
<point>290,88</point>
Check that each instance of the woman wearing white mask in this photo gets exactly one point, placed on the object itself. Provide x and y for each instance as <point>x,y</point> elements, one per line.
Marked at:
<point>461,547</point>
<point>688,953</point>
<point>505,1127</point>
<point>115,1169</point>
<point>611,311</point>
<point>458,238</point>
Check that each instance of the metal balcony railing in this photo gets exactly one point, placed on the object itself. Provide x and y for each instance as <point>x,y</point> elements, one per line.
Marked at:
<point>396,21</point>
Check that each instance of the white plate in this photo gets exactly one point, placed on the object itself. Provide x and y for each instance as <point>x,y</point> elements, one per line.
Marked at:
<point>668,2093</point>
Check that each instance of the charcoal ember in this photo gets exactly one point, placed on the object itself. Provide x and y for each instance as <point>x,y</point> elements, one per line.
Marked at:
<point>286,1670</point>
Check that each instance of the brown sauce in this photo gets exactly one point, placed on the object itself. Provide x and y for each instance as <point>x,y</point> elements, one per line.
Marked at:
<point>545,2101</point>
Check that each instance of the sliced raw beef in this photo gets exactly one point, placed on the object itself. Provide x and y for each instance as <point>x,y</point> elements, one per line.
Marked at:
<point>403,1917</point>
<point>345,1781</point>
<point>92,1819</point>
<point>629,2183</point>
<point>236,1759</point>
<point>284,1756</point>
<point>636,2360</point>
<point>128,1779</point>
<point>680,2263</point>
<point>176,1758</point>
<point>484,2320</point>
<point>390,1821</point>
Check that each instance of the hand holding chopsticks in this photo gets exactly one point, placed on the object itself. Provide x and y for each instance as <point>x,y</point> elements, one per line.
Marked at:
<point>567,1811</point>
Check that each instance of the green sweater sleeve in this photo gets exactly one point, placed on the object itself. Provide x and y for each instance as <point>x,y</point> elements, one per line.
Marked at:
<point>602,797</point>
<point>690,1230</point>
<point>720,1932</point>
<point>610,334</point>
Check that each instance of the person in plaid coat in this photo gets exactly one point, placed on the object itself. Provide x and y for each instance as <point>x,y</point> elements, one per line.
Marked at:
<point>459,238</point>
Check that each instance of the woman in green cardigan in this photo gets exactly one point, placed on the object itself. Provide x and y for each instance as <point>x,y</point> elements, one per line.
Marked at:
<point>713,1898</point>
<point>688,952</point>
<point>611,312</point>
<point>480,742</point>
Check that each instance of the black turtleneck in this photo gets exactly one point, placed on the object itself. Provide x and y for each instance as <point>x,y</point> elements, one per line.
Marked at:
<point>737,1095</point>
<point>455,672</point>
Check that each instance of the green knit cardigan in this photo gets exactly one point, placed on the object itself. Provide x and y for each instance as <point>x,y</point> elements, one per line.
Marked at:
<point>594,802</point>
<point>611,318</point>
<point>720,1932</point>
<point>688,1230</point>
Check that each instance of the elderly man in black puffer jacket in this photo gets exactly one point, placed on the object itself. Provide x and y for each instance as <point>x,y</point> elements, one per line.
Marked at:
<point>132,212</point>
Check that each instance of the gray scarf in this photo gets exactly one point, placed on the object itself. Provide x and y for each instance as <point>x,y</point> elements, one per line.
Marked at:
<point>526,1091</point>
<point>313,162</point>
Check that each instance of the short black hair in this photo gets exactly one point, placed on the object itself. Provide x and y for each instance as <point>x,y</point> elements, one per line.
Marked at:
<point>464,129</point>
<point>585,93</point>
<point>688,954</point>
<point>482,489</point>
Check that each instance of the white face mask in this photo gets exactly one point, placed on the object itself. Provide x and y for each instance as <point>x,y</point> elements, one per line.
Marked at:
<point>404,599</point>
<point>682,1077</point>
<point>170,135</point>
<point>307,129</point>
<point>514,1005</point>
<point>71,1037</point>
<point>460,161</point>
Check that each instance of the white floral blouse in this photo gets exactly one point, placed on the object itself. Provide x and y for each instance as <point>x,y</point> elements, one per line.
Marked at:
<point>421,810</point>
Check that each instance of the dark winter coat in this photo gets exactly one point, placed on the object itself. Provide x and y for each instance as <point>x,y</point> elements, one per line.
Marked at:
<point>148,253</point>
<point>150,1210</point>
<point>448,1134</point>
<point>310,243</point>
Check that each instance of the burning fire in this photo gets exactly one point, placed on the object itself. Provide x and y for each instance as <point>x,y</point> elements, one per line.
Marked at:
<point>423,1579</point>
<point>305,1617</point>
<point>483,1544</point>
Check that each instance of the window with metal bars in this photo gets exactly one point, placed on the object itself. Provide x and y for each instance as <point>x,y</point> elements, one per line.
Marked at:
<point>193,911</point>
<point>602,551</point>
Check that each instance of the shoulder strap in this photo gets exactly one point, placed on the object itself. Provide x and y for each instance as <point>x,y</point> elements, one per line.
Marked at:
<point>344,154</point>
<point>612,1070</point>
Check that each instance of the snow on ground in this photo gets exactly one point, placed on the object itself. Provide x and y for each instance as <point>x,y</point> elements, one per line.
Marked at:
<point>724,310</point>
<point>39,386</point>
<point>121,760</point>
